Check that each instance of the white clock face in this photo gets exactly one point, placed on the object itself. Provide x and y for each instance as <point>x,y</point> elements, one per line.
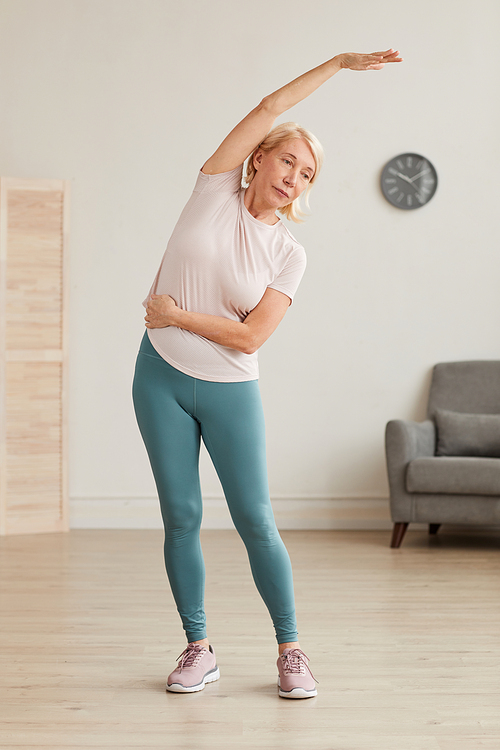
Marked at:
<point>408,181</point>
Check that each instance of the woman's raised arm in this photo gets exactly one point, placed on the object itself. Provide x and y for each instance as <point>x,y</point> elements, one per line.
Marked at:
<point>247,135</point>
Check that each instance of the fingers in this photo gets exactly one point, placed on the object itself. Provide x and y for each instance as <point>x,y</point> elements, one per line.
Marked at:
<point>373,61</point>
<point>151,307</point>
<point>386,53</point>
<point>389,55</point>
<point>377,60</point>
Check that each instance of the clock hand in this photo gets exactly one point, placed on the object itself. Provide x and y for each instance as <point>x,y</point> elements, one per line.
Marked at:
<point>404,177</point>
<point>415,177</point>
<point>408,180</point>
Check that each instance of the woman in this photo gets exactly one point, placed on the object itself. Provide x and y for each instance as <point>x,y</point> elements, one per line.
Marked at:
<point>227,278</point>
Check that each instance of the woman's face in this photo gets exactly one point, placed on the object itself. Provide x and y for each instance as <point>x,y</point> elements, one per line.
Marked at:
<point>283,173</point>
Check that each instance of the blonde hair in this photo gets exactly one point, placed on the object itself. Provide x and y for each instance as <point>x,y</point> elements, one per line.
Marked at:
<point>276,137</point>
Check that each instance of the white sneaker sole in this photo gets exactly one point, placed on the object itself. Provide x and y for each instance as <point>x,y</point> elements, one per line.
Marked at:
<point>176,687</point>
<point>297,692</point>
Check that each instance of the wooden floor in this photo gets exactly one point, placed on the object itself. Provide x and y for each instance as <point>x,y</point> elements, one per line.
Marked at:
<point>405,644</point>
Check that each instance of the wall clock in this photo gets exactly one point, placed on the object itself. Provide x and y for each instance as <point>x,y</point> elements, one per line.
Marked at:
<point>409,181</point>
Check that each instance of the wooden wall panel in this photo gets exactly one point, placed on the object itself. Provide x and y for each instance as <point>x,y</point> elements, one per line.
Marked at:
<point>34,272</point>
<point>33,352</point>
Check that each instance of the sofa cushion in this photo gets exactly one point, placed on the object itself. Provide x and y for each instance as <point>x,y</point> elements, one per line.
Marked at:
<point>454,475</point>
<point>467,434</point>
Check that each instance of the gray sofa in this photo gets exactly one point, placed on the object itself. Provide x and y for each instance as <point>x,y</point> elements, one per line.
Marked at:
<point>447,468</point>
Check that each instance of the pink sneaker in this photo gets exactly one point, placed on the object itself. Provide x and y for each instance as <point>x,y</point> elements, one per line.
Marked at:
<point>295,678</point>
<point>196,667</point>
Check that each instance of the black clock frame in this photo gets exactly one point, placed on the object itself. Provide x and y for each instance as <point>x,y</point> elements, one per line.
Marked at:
<point>397,179</point>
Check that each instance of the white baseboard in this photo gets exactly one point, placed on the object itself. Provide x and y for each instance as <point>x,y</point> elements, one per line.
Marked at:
<point>290,512</point>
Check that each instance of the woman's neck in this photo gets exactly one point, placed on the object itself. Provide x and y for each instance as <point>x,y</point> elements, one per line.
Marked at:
<point>259,209</point>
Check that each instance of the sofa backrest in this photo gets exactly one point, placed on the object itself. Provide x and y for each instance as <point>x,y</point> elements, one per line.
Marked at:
<point>467,387</point>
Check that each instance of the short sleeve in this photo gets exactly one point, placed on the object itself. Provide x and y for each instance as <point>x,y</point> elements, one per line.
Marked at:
<point>226,182</point>
<point>290,276</point>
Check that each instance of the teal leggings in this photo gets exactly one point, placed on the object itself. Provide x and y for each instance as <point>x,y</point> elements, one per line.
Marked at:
<point>173,411</point>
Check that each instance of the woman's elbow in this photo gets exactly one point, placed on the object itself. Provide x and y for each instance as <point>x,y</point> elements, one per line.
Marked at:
<point>270,106</point>
<point>249,344</point>
<point>247,349</point>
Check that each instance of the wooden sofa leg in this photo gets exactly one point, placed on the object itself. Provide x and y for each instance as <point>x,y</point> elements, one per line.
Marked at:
<point>398,533</point>
<point>433,528</point>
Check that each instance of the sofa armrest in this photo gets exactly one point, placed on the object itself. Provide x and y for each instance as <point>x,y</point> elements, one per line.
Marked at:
<point>404,441</point>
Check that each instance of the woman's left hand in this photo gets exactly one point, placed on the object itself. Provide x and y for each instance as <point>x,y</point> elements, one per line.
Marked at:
<point>160,311</point>
<point>374,61</point>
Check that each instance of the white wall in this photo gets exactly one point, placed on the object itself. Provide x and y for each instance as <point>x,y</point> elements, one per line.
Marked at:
<point>128,97</point>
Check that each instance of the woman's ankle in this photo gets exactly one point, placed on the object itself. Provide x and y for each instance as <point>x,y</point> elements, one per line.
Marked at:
<point>203,642</point>
<point>283,646</point>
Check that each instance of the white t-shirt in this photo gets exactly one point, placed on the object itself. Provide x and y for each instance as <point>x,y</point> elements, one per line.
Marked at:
<point>220,261</point>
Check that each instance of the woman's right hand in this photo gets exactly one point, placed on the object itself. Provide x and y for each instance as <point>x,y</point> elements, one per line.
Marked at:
<point>160,311</point>
<point>374,61</point>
